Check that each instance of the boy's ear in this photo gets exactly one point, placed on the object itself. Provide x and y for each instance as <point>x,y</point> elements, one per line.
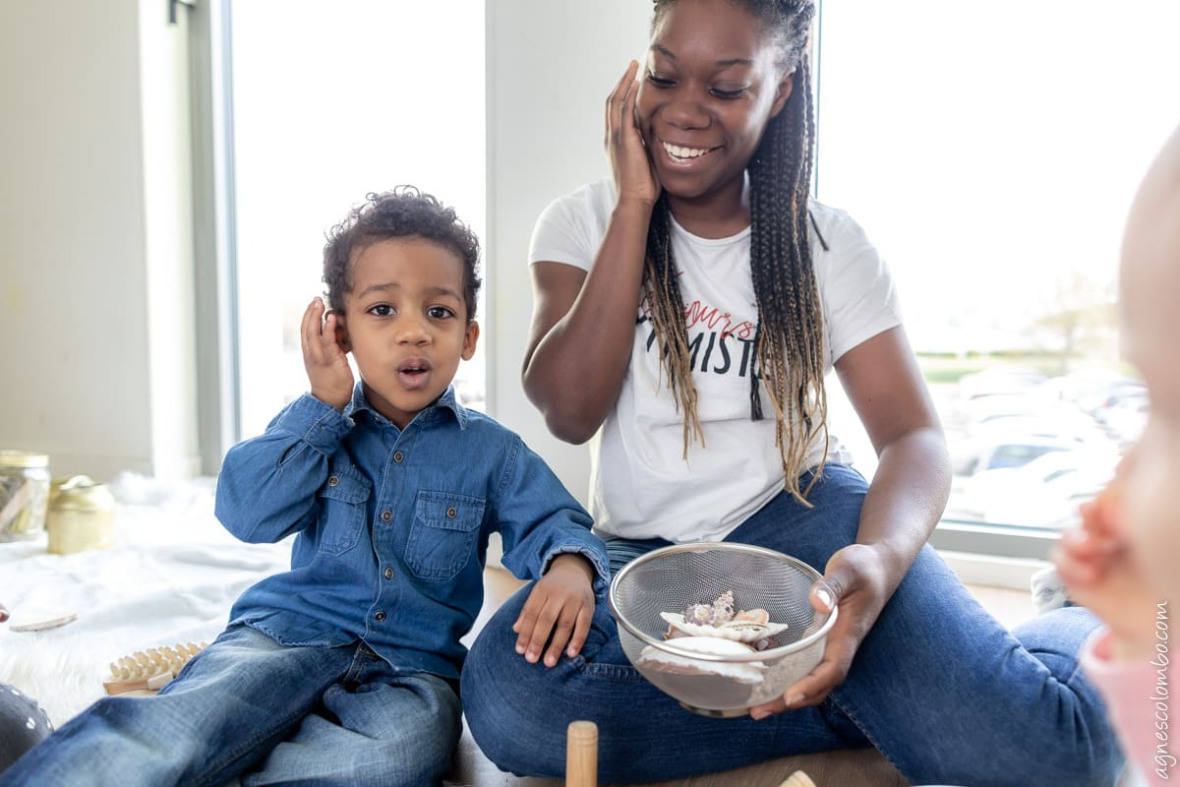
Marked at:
<point>469,340</point>
<point>782,93</point>
<point>342,332</point>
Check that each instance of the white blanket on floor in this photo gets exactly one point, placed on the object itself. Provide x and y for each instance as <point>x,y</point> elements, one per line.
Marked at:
<point>171,577</point>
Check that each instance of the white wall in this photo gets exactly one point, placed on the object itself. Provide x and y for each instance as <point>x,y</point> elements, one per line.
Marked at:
<point>94,311</point>
<point>551,65</point>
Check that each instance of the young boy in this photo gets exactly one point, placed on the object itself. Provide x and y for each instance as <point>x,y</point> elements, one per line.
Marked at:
<point>345,669</point>
<point>1122,562</point>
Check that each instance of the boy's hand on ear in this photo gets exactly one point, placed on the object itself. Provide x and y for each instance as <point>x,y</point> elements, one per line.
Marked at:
<point>561,605</point>
<point>323,357</point>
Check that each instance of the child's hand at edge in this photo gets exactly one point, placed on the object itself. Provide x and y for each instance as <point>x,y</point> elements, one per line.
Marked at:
<point>324,357</point>
<point>562,605</point>
<point>1101,573</point>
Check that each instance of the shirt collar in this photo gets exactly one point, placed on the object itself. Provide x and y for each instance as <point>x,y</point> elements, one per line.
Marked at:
<point>447,401</point>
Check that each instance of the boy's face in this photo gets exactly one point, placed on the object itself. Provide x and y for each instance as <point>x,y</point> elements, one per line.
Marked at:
<point>1149,307</point>
<point>405,323</point>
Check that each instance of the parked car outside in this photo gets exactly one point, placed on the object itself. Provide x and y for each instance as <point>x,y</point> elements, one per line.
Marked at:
<point>1043,492</point>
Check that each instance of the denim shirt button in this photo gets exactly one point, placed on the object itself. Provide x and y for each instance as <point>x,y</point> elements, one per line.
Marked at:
<point>380,616</point>
<point>398,456</point>
<point>389,573</point>
<point>451,512</point>
<point>386,515</point>
<point>334,480</point>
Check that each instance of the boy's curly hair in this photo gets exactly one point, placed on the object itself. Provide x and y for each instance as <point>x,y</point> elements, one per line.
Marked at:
<point>403,212</point>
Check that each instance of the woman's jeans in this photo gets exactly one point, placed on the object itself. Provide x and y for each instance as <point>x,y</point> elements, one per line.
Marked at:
<point>943,690</point>
<point>247,706</point>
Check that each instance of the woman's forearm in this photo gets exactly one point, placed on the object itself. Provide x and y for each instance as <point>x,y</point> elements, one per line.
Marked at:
<point>581,343</point>
<point>906,499</point>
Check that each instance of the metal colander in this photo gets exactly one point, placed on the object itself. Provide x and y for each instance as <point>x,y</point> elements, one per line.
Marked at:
<point>671,578</point>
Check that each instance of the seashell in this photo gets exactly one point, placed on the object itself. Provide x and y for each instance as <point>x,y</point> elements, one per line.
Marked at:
<point>750,631</point>
<point>736,630</point>
<point>749,672</point>
<point>756,615</point>
<point>714,614</point>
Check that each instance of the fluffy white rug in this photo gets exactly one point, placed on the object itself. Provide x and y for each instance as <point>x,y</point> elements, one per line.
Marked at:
<point>171,576</point>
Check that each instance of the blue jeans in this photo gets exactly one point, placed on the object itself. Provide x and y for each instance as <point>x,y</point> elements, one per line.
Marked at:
<point>247,706</point>
<point>943,690</point>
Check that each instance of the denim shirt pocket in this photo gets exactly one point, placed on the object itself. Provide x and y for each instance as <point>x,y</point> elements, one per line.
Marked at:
<point>443,535</point>
<point>342,511</point>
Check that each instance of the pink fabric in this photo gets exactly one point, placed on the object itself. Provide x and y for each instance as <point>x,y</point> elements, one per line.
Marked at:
<point>1138,696</point>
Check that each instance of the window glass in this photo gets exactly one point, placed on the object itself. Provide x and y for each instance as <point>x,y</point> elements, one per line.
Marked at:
<point>991,152</point>
<point>332,101</point>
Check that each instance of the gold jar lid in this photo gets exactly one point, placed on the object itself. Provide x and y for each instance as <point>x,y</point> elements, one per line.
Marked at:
<point>23,459</point>
<point>82,493</point>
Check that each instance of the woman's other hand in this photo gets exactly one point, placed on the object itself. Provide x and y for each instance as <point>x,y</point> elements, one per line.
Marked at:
<point>854,581</point>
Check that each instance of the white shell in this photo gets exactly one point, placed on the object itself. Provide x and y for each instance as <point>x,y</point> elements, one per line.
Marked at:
<point>741,671</point>
<point>736,630</point>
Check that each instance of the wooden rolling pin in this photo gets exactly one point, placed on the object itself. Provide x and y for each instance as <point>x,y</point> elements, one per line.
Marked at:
<point>581,754</point>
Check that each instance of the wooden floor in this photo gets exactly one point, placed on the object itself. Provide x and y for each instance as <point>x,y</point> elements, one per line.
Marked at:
<point>851,768</point>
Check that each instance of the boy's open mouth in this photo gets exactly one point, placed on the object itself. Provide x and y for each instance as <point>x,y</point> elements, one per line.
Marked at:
<point>413,371</point>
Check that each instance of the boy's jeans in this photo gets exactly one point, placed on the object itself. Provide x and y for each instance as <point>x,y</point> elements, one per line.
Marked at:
<point>938,686</point>
<point>272,714</point>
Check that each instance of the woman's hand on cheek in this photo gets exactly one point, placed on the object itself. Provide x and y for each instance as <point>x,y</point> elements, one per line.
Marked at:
<point>635,178</point>
<point>323,357</point>
<point>854,581</point>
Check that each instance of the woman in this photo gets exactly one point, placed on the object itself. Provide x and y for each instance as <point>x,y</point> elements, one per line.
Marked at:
<point>686,313</point>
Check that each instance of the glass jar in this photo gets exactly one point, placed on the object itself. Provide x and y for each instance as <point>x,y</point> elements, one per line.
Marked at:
<point>81,516</point>
<point>24,494</point>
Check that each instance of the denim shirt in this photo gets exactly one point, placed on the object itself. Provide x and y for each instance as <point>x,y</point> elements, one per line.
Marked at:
<point>392,525</point>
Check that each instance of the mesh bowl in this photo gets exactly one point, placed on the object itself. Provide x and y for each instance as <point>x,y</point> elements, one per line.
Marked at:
<point>722,683</point>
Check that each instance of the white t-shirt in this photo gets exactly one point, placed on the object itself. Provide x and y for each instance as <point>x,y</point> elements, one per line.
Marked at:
<point>641,485</point>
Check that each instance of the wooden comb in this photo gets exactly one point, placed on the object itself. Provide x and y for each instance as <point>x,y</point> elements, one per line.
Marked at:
<point>151,669</point>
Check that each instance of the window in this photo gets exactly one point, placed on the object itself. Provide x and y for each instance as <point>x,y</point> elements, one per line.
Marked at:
<point>332,101</point>
<point>991,152</point>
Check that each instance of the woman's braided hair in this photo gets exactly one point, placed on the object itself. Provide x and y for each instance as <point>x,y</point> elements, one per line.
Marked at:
<point>788,342</point>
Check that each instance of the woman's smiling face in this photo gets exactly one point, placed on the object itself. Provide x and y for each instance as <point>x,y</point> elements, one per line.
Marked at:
<point>711,85</point>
